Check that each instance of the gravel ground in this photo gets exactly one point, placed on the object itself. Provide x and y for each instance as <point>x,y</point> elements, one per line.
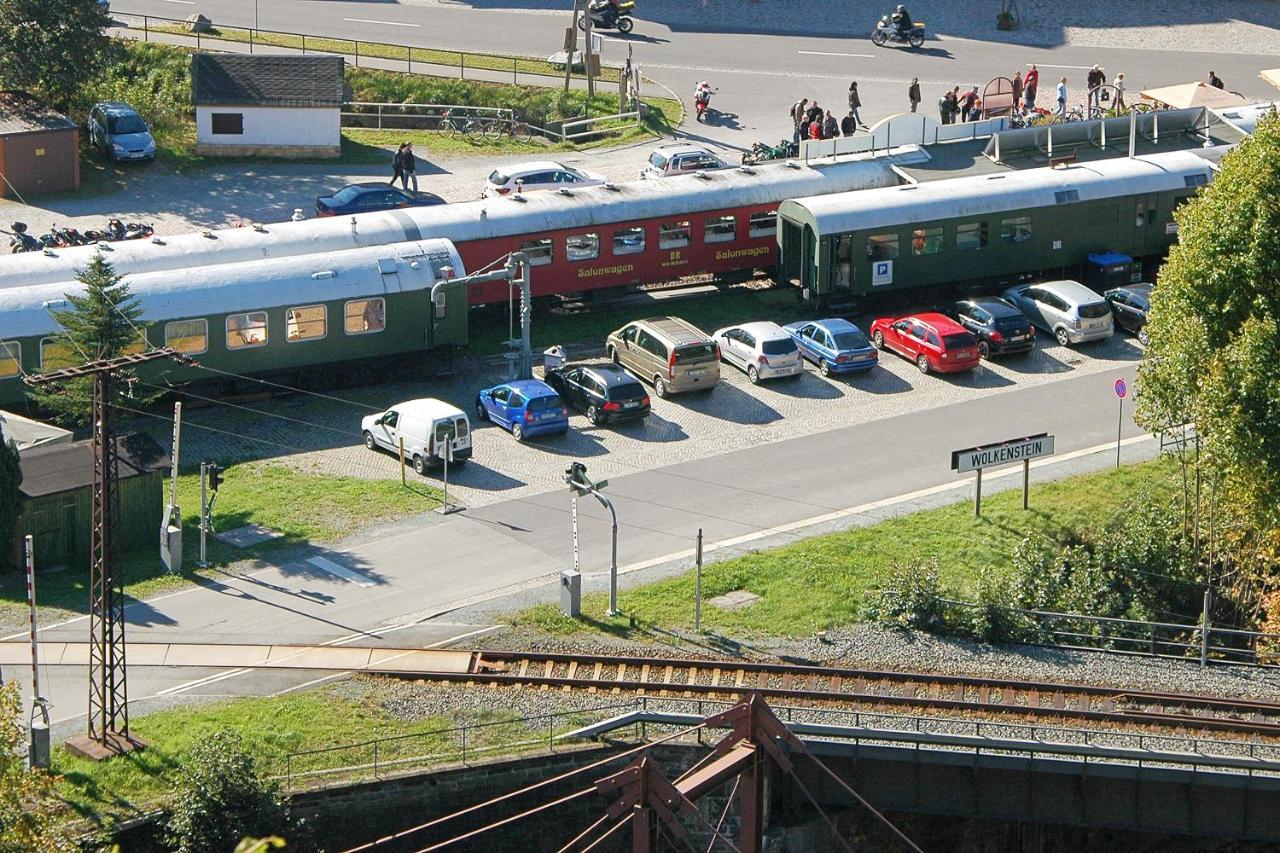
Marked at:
<point>1186,25</point>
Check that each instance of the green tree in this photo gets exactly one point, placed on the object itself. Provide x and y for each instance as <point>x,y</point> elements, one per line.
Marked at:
<point>28,801</point>
<point>102,322</point>
<point>1214,357</point>
<point>53,47</point>
<point>222,797</point>
<point>10,501</point>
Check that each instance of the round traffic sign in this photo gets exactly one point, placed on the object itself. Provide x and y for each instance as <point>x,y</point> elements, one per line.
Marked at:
<point>1122,388</point>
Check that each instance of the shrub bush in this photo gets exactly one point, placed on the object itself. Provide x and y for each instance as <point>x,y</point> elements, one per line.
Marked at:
<point>910,596</point>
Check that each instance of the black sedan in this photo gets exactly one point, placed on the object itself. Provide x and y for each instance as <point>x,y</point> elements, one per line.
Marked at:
<point>1130,305</point>
<point>1001,329</point>
<point>604,392</point>
<point>371,196</point>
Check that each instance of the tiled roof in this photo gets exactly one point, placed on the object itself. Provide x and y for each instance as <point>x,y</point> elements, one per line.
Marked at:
<point>63,467</point>
<point>22,113</point>
<point>265,80</point>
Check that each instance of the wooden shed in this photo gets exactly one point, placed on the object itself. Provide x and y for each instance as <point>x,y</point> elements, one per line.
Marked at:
<point>57,484</point>
<point>39,147</point>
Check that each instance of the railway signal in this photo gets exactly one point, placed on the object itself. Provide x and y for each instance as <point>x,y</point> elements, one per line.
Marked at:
<point>575,476</point>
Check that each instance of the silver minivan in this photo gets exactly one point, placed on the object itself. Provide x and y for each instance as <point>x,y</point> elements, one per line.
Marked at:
<point>1068,310</point>
<point>673,355</point>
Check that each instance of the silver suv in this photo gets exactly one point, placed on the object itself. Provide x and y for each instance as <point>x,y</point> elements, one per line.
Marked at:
<point>673,355</point>
<point>1068,310</point>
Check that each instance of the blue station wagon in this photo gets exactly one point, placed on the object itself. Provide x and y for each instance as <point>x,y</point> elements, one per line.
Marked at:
<point>836,346</point>
<point>528,407</point>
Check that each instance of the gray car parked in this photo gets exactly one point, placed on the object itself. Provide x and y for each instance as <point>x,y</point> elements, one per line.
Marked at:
<point>120,132</point>
<point>1068,310</point>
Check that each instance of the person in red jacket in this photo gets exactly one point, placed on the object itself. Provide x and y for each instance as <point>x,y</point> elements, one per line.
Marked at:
<point>1031,85</point>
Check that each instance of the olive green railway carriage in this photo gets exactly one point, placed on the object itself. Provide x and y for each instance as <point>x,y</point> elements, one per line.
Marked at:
<point>984,229</point>
<point>379,309</point>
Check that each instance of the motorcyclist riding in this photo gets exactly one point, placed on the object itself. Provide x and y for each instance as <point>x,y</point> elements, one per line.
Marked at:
<point>608,10</point>
<point>701,98</point>
<point>902,20</point>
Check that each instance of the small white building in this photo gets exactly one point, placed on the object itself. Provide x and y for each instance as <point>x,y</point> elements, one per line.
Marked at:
<point>277,106</point>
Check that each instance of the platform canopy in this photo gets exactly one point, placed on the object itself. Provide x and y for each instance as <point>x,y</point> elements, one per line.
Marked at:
<point>1272,76</point>
<point>1195,94</point>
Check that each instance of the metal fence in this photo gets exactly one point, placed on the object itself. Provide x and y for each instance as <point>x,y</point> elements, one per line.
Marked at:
<point>423,60</point>
<point>491,122</point>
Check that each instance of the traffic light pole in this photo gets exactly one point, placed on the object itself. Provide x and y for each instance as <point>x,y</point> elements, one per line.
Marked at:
<point>576,478</point>
<point>204,511</point>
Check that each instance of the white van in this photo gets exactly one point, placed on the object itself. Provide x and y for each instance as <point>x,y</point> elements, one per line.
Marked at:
<point>423,424</point>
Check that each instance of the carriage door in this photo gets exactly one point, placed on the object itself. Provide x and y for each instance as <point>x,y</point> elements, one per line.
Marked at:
<point>842,265</point>
<point>790,262</point>
<point>1146,234</point>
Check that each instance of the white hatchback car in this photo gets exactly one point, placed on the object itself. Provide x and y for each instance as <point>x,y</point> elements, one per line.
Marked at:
<point>764,350</point>
<point>681,160</point>
<point>539,175</point>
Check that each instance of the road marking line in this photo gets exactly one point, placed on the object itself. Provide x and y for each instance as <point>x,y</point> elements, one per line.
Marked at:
<point>311,683</point>
<point>824,53</point>
<point>384,23</point>
<point>343,572</point>
<point>1079,67</point>
<point>183,2</point>
<point>200,682</point>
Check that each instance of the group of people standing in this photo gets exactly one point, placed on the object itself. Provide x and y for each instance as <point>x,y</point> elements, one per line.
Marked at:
<point>811,121</point>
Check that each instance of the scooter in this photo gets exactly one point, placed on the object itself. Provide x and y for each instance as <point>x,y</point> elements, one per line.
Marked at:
<point>604,17</point>
<point>887,31</point>
<point>702,103</point>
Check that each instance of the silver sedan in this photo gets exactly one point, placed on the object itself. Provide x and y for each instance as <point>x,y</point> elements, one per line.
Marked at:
<point>764,350</point>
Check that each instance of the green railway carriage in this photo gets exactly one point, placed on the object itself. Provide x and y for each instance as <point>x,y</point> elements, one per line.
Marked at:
<point>376,309</point>
<point>984,229</point>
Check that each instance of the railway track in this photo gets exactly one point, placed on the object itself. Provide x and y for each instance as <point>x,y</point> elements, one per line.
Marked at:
<point>902,691</point>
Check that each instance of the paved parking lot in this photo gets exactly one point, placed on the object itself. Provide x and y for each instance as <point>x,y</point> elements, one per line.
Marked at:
<point>324,436</point>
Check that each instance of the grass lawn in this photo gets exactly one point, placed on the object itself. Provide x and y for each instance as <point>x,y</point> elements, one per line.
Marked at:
<point>822,582</point>
<point>306,508</point>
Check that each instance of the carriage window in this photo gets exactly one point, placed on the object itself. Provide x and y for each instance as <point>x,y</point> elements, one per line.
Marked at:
<point>362,316</point>
<point>306,323</point>
<point>882,247</point>
<point>246,330</point>
<point>188,336</point>
<point>763,224</point>
<point>971,235</point>
<point>926,241</point>
<point>55,356</point>
<point>582,247</point>
<point>1015,230</point>
<point>628,241</point>
<point>674,235</point>
<point>539,252</point>
<point>10,359</point>
<point>721,229</point>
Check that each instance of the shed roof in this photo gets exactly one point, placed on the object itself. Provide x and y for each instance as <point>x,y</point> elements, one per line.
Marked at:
<point>266,80</point>
<point>29,434</point>
<point>23,113</point>
<point>64,467</point>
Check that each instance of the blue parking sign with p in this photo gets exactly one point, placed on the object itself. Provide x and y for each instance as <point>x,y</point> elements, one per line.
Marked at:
<point>881,272</point>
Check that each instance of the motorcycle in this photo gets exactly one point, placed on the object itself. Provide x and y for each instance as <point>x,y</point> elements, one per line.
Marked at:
<point>887,31</point>
<point>702,103</point>
<point>20,240</point>
<point>605,17</point>
<point>760,152</point>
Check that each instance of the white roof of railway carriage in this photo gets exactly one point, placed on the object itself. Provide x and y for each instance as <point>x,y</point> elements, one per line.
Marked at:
<point>999,193</point>
<point>247,286</point>
<point>465,221</point>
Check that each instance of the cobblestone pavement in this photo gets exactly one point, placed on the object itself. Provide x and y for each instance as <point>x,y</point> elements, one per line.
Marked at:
<point>1227,26</point>
<point>324,436</point>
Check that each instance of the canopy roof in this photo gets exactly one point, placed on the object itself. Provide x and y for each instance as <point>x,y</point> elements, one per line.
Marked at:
<point>1272,76</point>
<point>1196,94</point>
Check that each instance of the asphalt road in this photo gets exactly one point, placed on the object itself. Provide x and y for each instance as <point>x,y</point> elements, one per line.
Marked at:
<point>758,75</point>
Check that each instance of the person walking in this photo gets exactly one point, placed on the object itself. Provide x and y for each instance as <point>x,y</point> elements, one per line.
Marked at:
<point>1030,85</point>
<point>1120,92</point>
<point>397,166</point>
<point>410,165</point>
<point>1017,90</point>
<point>913,93</point>
<point>1062,97</point>
<point>848,125</point>
<point>1215,81</point>
<point>1095,80</point>
<point>855,103</point>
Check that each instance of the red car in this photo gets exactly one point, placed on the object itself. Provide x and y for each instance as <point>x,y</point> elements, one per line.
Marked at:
<point>934,342</point>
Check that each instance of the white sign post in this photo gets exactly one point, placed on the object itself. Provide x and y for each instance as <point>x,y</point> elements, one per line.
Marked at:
<point>991,455</point>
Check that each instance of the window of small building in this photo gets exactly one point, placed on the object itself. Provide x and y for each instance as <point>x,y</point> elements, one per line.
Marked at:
<point>1015,230</point>
<point>674,235</point>
<point>246,330</point>
<point>763,224</point>
<point>971,235</point>
<point>720,229</point>
<point>926,241</point>
<point>305,323</point>
<point>582,247</point>
<point>882,247</point>
<point>228,124</point>
<point>628,241</point>
<point>188,336</point>
<point>539,251</point>
<point>10,359</point>
<point>362,316</point>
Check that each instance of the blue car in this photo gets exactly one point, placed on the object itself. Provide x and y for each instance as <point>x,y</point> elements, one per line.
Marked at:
<point>529,407</point>
<point>836,346</point>
<point>371,196</point>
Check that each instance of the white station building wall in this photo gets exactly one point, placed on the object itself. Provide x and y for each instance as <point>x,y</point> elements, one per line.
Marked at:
<point>271,126</point>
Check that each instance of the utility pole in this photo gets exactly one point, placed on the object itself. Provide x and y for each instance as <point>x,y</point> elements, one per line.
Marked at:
<point>570,45</point>
<point>108,732</point>
<point>588,53</point>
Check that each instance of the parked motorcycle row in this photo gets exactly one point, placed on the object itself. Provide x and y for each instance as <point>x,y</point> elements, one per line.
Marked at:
<point>116,230</point>
<point>761,152</point>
